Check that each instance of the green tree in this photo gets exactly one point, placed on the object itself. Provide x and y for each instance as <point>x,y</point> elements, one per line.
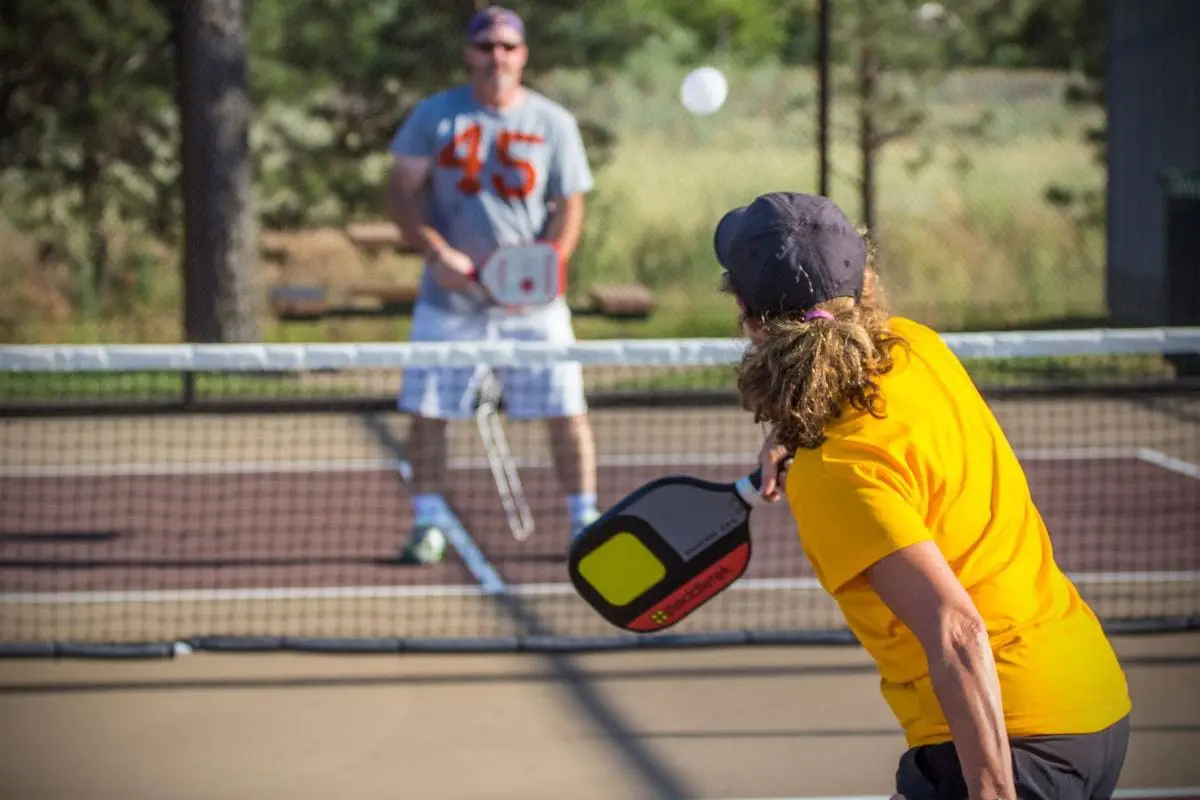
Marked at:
<point>89,125</point>
<point>1063,34</point>
<point>87,129</point>
<point>888,55</point>
<point>220,247</point>
<point>749,30</point>
<point>1074,34</point>
<point>90,136</point>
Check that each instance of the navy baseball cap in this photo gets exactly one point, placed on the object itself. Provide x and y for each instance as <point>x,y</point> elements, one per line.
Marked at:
<point>495,15</point>
<point>788,251</point>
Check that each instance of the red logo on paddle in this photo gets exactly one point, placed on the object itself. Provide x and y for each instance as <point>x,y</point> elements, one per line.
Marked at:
<point>703,587</point>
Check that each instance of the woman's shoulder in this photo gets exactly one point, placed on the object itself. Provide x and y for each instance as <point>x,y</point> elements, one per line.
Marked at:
<point>912,331</point>
<point>922,341</point>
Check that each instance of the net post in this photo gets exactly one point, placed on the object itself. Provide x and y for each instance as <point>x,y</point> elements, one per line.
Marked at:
<point>1182,255</point>
<point>189,390</point>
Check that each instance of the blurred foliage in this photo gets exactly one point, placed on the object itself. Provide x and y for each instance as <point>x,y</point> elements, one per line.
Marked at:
<point>1074,31</point>
<point>896,55</point>
<point>89,130</point>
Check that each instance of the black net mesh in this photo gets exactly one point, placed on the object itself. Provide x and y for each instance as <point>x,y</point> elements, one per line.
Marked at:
<point>259,496</point>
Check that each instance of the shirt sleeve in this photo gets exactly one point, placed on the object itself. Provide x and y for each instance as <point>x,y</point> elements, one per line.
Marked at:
<point>570,172</point>
<point>852,513</point>
<point>417,135</point>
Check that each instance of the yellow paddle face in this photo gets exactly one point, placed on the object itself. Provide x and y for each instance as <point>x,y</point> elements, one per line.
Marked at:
<point>621,569</point>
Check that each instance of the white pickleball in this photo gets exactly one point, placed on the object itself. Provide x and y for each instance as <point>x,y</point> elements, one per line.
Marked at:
<point>704,90</point>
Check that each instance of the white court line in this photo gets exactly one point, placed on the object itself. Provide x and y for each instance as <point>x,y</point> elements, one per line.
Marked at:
<point>1140,576</point>
<point>150,469</point>
<point>616,460</point>
<point>1076,453</point>
<point>487,587</point>
<point>1119,794</point>
<point>1168,462</point>
<point>476,562</point>
<point>1082,578</point>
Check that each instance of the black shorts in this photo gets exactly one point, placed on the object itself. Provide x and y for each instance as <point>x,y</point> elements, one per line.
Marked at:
<point>1078,767</point>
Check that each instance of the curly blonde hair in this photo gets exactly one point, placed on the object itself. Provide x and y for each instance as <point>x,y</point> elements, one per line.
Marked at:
<point>804,373</point>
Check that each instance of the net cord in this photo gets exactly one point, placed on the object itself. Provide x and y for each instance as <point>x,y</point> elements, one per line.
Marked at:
<point>602,352</point>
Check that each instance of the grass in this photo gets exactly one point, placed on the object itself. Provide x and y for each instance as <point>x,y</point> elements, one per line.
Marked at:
<point>147,386</point>
<point>1079,371</point>
<point>1068,370</point>
<point>70,386</point>
<point>967,241</point>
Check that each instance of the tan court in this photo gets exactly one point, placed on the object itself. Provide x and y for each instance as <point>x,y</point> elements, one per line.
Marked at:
<point>704,724</point>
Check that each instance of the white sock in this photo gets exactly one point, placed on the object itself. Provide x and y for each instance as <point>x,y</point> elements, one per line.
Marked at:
<point>429,509</point>
<point>580,504</point>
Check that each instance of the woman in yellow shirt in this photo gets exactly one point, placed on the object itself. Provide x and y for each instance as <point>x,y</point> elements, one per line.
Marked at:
<point>917,518</point>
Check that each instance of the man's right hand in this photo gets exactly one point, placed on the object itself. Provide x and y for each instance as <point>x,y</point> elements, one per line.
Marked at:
<point>453,270</point>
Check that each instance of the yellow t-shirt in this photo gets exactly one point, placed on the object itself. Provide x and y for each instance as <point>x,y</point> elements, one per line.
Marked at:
<point>939,467</point>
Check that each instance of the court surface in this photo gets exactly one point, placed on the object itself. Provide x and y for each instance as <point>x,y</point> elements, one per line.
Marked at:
<point>171,527</point>
<point>168,527</point>
<point>720,724</point>
<point>85,530</point>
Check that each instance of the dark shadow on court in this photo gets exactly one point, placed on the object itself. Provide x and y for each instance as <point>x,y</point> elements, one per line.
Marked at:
<point>530,558</point>
<point>824,733</point>
<point>477,679</point>
<point>674,675</point>
<point>60,537</point>
<point>79,564</point>
<point>1174,408</point>
<point>434,679</point>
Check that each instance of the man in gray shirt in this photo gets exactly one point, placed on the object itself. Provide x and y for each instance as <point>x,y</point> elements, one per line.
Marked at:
<point>479,166</point>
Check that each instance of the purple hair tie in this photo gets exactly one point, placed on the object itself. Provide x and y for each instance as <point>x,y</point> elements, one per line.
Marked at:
<point>817,312</point>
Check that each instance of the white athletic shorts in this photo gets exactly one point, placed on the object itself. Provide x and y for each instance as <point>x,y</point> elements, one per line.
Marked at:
<point>529,392</point>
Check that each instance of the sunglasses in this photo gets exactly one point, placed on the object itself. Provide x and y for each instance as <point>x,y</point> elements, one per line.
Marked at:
<point>487,47</point>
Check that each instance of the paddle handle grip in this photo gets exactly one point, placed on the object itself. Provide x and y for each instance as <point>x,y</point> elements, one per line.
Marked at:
<point>749,488</point>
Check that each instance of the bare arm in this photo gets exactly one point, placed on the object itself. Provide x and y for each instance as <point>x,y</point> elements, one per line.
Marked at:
<point>565,224</point>
<point>923,592</point>
<point>408,176</point>
<point>451,268</point>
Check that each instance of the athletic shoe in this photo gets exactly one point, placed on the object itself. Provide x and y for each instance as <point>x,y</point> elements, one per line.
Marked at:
<point>427,546</point>
<point>582,522</point>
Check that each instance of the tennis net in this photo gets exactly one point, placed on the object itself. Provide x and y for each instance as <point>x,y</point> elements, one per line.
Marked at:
<point>158,498</point>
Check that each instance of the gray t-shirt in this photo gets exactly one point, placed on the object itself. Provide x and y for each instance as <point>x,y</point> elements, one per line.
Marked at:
<point>493,173</point>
